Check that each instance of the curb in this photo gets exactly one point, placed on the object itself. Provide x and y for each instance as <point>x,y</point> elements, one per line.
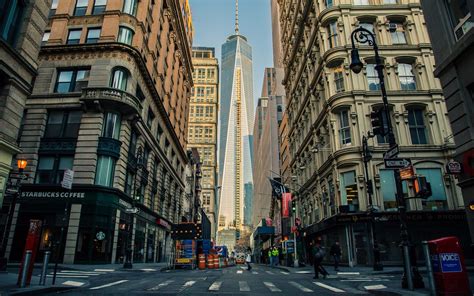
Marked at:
<point>42,291</point>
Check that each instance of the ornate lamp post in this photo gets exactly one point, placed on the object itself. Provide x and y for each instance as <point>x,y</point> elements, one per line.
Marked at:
<point>128,253</point>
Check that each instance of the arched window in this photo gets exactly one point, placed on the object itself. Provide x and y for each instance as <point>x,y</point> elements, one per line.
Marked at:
<point>119,78</point>
<point>130,7</point>
<point>125,35</point>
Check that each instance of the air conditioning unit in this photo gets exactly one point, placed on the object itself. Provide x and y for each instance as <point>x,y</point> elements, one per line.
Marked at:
<point>463,27</point>
<point>392,27</point>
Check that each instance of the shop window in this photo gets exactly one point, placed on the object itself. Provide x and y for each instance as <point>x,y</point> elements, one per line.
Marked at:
<point>438,198</point>
<point>71,80</point>
<point>349,192</point>
<point>119,78</point>
<point>93,35</point>
<point>332,34</point>
<point>51,168</point>
<point>63,124</point>
<point>54,6</point>
<point>45,38</point>
<point>99,6</point>
<point>398,33</point>
<point>417,126</point>
<point>111,127</point>
<point>406,76</point>
<point>74,36</point>
<point>11,13</point>
<point>81,7</point>
<point>130,7</point>
<point>125,35</point>
<point>344,128</point>
<point>388,190</point>
<point>105,171</point>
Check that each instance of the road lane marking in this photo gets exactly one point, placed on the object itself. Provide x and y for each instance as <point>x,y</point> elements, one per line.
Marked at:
<point>109,285</point>
<point>375,287</point>
<point>301,287</point>
<point>254,272</point>
<point>244,287</point>
<point>366,280</point>
<point>348,273</point>
<point>189,284</point>
<point>148,269</point>
<point>304,271</point>
<point>215,286</point>
<point>331,288</point>
<point>269,272</point>
<point>285,273</point>
<point>81,272</point>
<point>239,271</point>
<point>73,283</point>
<point>271,286</point>
<point>163,284</point>
<point>104,270</point>
<point>69,276</point>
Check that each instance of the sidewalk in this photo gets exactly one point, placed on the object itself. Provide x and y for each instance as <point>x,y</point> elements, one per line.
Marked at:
<point>8,280</point>
<point>362,270</point>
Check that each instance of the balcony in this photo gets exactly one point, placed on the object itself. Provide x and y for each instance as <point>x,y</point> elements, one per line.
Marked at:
<point>109,146</point>
<point>106,97</point>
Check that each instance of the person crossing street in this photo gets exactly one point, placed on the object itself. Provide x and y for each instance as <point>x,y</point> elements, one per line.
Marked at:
<point>318,256</point>
<point>275,256</point>
<point>248,259</point>
<point>336,253</point>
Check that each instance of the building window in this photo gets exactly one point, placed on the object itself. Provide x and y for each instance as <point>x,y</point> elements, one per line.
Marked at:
<point>368,26</point>
<point>438,199</point>
<point>397,33</point>
<point>344,128</point>
<point>159,132</point>
<point>45,38</point>
<point>99,6</point>
<point>93,35</point>
<point>129,182</point>
<point>388,188</point>
<point>71,80</point>
<point>459,13</point>
<point>125,35</point>
<point>63,124</point>
<point>130,7</point>
<point>361,2</point>
<point>54,6</point>
<point>51,168</point>
<point>332,34</point>
<point>119,79</point>
<point>349,192</point>
<point>111,127</point>
<point>390,1</point>
<point>372,77</point>
<point>132,148</point>
<point>339,79</point>
<point>201,73</point>
<point>105,171</point>
<point>139,93</point>
<point>210,73</point>
<point>329,3</point>
<point>81,7</point>
<point>150,118</point>
<point>74,36</point>
<point>10,19</point>
<point>417,126</point>
<point>406,77</point>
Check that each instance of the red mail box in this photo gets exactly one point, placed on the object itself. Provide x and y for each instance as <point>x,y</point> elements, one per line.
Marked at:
<point>449,268</point>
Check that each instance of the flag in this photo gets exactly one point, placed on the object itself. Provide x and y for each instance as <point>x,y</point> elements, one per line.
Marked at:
<point>285,205</point>
<point>277,188</point>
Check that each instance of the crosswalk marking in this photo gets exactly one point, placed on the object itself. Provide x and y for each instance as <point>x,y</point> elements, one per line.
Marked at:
<point>271,286</point>
<point>81,272</point>
<point>299,286</point>
<point>108,285</point>
<point>269,272</point>
<point>215,286</point>
<point>148,269</point>
<point>331,288</point>
<point>102,270</point>
<point>73,283</point>
<point>244,287</point>
<point>163,284</point>
<point>365,280</point>
<point>239,271</point>
<point>68,276</point>
<point>375,287</point>
<point>189,284</point>
<point>348,273</point>
<point>285,273</point>
<point>254,272</point>
<point>304,271</point>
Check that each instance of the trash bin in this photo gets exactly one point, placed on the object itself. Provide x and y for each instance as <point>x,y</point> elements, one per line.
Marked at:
<point>449,268</point>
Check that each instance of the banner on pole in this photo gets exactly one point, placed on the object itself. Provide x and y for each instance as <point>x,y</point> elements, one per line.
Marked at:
<point>286,199</point>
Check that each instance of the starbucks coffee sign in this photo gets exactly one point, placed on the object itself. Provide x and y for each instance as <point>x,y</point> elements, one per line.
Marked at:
<point>52,194</point>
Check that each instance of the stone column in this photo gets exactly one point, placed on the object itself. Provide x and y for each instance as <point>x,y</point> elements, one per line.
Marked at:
<point>133,237</point>
<point>115,236</point>
<point>71,235</point>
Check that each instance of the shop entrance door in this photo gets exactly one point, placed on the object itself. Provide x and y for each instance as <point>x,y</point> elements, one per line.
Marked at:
<point>361,244</point>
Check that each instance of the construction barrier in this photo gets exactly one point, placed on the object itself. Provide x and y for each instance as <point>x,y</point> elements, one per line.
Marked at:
<point>202,261</point>
<point>210,261</point>
<point>216,261</point>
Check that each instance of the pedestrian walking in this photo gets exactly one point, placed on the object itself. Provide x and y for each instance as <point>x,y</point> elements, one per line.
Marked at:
<point>275,256</point>
<point>336,253</point>
<point>270,257</point>
<point>248,260</point>
<point>318,255</point>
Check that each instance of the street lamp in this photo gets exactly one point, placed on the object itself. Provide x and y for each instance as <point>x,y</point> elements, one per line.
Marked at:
<point>364,36</point>
<point>128,253</point>
<point>14,186</point>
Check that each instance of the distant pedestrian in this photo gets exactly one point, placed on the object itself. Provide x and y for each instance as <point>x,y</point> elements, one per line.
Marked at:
<point>336,253</point>
<point>318,255</point>
<point>275,256</point>
<point>248,260</point>
<point>270,258</point>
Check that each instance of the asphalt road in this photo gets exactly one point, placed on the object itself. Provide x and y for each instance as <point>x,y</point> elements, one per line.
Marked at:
<point>261,280</point>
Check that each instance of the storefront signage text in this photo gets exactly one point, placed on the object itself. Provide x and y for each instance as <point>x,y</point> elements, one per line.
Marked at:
<point>49,194</point>
<point>163,223</point>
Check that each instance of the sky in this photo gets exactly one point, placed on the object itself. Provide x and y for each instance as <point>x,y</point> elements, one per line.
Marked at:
<point>214,21</point>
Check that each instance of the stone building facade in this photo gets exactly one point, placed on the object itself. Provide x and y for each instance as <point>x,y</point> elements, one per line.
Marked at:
<point>451,28</point>
<point>202,130</point>
<point>110,102</point>
<point>328,110</point>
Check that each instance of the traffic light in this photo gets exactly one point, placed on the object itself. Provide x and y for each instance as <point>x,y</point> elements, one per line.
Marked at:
<point>293,206</point>
<point>422,187</point>
<point>378,122</point>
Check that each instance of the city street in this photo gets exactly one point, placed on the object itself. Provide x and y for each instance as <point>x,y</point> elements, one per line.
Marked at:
<point>261,280</point>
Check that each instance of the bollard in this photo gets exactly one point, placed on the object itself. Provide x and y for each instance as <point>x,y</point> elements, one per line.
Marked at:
<point>429,267</point>
<point>44,270</point>
<point>408,271</point>
<point>26,267</point>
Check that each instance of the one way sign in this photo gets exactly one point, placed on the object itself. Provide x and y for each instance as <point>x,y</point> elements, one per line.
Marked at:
<point>397,163</point>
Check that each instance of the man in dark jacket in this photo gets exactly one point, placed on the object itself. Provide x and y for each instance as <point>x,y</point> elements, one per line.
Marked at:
<point>336,255</point>
<point>318,255</point>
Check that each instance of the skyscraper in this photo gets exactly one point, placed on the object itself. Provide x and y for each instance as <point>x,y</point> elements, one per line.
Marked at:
<point>236,126</point>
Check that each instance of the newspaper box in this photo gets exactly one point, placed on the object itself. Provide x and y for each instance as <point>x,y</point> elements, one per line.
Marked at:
<point>449,269</point>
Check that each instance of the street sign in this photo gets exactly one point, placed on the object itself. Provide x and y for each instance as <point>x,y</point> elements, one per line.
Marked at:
<point>131,210</point>
<point>67,179</point>
<point>397,163</point>
<point>391,152</point>
<point>407,173</point>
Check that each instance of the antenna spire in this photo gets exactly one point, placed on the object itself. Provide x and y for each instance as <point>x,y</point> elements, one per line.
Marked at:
<point>237,17</point>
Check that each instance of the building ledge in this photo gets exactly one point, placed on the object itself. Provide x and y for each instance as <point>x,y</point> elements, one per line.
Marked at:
<point>105,97</point>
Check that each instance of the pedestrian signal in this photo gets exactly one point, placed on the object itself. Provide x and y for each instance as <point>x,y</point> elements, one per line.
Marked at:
<point>422,187</point>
